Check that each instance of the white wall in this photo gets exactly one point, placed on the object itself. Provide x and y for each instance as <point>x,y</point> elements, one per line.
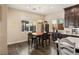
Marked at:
<point>3,30</point>
<point>14,17</point>
<point>55,15</point>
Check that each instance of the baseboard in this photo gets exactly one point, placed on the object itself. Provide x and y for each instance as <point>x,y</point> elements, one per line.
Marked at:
<point>10,43</point>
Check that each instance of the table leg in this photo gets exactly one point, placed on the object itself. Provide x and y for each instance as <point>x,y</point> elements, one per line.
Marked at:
<point>39,40</point>
<point>57,49</point>
<point>28,40</point>
<point>49,40</point>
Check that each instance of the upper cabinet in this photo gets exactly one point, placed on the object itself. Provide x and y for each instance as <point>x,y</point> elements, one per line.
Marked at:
<point>72,16</point>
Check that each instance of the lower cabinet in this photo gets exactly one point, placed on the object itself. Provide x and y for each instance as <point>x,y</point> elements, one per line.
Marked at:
<point>65,35</point>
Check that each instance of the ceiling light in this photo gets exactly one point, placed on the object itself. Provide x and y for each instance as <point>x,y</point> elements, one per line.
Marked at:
<point>51,7</point>
<point>34,9</point>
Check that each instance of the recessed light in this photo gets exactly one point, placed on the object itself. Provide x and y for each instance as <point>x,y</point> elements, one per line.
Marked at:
<point>51,7</point>
<point>34,9</point>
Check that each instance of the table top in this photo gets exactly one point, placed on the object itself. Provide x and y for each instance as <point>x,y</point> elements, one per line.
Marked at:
<point>37,33</point>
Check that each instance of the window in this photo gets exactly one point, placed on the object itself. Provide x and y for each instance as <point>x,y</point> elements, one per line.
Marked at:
<point>28,26</point>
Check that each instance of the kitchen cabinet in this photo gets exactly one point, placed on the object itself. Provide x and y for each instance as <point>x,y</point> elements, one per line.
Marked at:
<point>72,16</point>
<point>64,36</point>
<point>68,35</point>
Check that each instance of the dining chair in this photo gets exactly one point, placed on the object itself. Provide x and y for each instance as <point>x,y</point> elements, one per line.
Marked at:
<point>29,37</point>
<point>66,47</point>
<point>45,38</point>
<point>56,35</point>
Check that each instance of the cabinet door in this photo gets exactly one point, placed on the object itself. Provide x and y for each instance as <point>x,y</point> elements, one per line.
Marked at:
<point>72,16</point>
<point>67,20</point>
<point>77,20</point>
<point>72,23</point>
<point>71,20</point>
<point>76,17</point>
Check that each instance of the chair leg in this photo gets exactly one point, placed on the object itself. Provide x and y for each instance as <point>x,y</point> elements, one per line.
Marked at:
<point>57,49</point>
<point>28,41</point>
<point>49,41</point>
<point>46,42</point>
<point>43,43</point>
<point>32,42</point>
<point>39,40</point>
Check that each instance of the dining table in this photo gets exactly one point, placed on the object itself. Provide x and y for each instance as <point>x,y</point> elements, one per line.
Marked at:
<point>38,35</point>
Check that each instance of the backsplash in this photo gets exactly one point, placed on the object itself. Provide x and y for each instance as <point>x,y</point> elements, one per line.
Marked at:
<point>71,30</point>
<point>75,30</point>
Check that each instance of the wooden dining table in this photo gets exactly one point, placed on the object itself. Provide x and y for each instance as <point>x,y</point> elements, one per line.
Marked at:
<point>39,35</point>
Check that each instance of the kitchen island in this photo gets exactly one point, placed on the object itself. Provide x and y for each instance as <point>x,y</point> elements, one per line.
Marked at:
<point>74,40</point>
<point>64,35</point>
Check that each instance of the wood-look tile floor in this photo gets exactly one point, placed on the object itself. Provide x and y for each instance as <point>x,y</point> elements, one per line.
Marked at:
<point>24,49</point>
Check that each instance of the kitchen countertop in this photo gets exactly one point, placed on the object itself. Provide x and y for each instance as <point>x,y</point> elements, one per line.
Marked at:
<point>74,40</point>
<point>70,34</point>
<point>68,31</point>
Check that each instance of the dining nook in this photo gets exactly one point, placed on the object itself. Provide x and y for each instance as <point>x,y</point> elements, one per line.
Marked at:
<point>39,29</point>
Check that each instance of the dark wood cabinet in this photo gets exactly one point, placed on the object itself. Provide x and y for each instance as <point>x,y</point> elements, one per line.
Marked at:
<point>72,16</point>
<point>66,35</point>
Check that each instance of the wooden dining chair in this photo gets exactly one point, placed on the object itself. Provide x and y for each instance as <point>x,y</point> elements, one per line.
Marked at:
<point>32,39</point>
<point>29,37</point>
<point>45,38</point>
<point>66,47</point>
<point>56,35</point>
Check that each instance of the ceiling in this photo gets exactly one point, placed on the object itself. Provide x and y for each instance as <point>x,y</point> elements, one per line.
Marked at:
<point>43,9</point>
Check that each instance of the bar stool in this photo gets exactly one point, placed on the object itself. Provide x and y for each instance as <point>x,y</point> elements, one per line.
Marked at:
<point>56,36</point>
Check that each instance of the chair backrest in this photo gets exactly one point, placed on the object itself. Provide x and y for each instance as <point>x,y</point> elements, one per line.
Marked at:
<point>45,36</point>
<point>30,35</point>
<point>66,47</point>
<point>47,28</point>
<point>56,35</point>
